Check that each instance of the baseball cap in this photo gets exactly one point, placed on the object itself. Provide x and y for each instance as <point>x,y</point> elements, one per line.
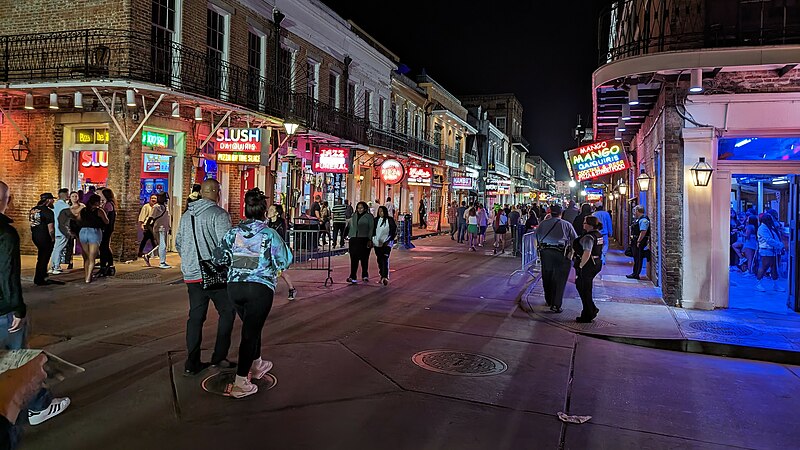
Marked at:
<point>555,209</point>
<point>46,196</point>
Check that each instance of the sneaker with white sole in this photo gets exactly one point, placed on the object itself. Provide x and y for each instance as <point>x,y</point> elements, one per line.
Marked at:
<point>243,390</point>
<point>760,287</point>
<point>778,287</point>
<point>164,266</point>
<point>56,407</point>
<point>257,373</point>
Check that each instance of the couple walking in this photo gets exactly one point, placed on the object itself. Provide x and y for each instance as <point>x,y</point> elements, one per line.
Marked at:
<point>255,254</point>
<point>368,231</point>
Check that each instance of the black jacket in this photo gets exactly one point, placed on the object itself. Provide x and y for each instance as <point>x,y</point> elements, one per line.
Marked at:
<point>10,270</point>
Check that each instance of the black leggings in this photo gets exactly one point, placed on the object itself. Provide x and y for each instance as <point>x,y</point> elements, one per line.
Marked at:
<point>253,302</point>
<point>106,257</point>
<point>147,236</point>
<point>382,255</point>
<point>359,253</point>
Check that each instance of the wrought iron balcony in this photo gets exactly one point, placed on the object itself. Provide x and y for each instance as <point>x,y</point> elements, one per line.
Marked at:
<point>520,139</point>
<point>102,54</point>
<point>388,140</point>
<point>424,147</point>
<point>470,159</point>
<point>516,172</point>
<point>451,154</point>
<point>638,27</point>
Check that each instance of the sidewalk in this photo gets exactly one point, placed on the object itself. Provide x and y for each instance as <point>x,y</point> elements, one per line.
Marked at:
<point>633,311</point>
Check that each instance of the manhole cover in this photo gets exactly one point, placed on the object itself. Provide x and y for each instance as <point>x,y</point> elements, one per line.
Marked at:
<point>220,383</point>
<point>138,275</point>
<point>454,362</point>
<point>721,328</point>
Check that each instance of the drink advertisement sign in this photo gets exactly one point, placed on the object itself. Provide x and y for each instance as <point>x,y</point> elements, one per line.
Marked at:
<point>332,160</point>
<point>392,171</point>
<point>596,159</point>
<point>420,176</point>
<point>239,145</point>
<point>462,183</point>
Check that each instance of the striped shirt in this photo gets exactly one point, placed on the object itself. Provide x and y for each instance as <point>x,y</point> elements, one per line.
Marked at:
<point>339,213</point>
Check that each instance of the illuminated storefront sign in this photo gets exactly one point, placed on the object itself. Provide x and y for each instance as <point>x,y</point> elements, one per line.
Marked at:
<point>497,186</point>
<point>155,163</point>
<point>94,159</point>
<point>595,160</point>
<point>594,194</point>
<point>239,145</point>
<point>332,160</point>
<point>153,139</point>
<point>462,183</point>
<point>392,171</point>
<point>543,196</point>
<point>91,136</point>
<point>420,176</point>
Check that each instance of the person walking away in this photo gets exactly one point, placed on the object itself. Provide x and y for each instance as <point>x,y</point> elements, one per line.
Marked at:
<point>750,247</point>
<point>147,231</point>
<point>61,238</point>
<point>423,210</point>
<point>385,233</point>
<point>391,208</point>
<point>483,224</point>
<point>513,222</point>
<point>769,246</point>
<point>588,263</point>
<point>106,257</point>
<point>571,212</point>
<point>92,221</point>
<point>277,222</point>
<point>606,230</point>
<point>554,235</point>
<point>461,212</point>
<point>640,238</point>
<point>472,228</point>
<point>42,223</point>
<point>532,221</point>
<point>362,228</point>
<point>13,317</point>
<point>452,218</point>
<point>339,220</point>
<point>200,231</point>
<point>161,229</point>
<point>500,230</point>
<point>586,211</point>
<point>255,254</point>
<point>316,209</point>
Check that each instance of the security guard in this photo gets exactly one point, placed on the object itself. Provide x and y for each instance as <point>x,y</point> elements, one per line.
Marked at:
<point>588,263</point>
<point>555,237</point>
<point>640,238</point>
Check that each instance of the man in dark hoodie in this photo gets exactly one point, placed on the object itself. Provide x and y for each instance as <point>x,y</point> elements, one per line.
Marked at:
<point>199,233</point>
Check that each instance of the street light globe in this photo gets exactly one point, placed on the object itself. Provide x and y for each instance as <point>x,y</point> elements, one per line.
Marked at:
<point>583,193</point>
<point>572,183</point>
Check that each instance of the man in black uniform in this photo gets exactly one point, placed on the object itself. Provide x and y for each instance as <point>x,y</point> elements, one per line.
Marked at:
<point>588,263</point>
<point>554,235</point>
<point>640,237</point>
<point>42,220</point>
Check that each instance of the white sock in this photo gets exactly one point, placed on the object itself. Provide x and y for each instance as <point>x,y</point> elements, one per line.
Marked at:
<point>257,362</point>
<point>240,381</point>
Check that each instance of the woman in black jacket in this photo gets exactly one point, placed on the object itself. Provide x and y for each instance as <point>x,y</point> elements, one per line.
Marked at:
<point>362,228</point>
<point>383,240</point>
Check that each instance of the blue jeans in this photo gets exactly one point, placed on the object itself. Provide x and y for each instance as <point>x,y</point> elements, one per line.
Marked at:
<point>605,247</point>
<point>462,230</point>
<point>162,245</point>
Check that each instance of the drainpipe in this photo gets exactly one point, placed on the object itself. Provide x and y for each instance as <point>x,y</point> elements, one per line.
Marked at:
<point>277,18</point>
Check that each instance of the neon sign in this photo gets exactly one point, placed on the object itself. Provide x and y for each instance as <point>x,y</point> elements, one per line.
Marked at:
<point>392,171</point>
<point>153,139</point>
<point>461,183</point>
<point>239,145</point>
<point>595,160</point>
<point>91,136</point>
<point>332,160</point>
<point>594,194</point>
<point>94,159</point>
<point>420,176</point>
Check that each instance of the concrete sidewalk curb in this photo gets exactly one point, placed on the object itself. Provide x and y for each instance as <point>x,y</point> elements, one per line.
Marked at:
<point>684,344</point>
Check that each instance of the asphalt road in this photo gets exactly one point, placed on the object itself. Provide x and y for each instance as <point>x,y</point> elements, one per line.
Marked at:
<point>346,377</point>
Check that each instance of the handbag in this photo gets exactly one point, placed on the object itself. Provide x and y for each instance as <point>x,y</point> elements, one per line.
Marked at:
<point>213,276</point>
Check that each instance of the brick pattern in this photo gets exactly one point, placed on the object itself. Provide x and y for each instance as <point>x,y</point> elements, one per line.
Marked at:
<point>754,82</point>
<point>23,17</point>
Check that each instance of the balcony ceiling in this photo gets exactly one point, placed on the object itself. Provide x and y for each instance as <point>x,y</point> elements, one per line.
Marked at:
<point>610,99</point>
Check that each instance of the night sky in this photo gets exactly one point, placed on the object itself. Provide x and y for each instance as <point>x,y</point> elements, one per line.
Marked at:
<point>544,56</point>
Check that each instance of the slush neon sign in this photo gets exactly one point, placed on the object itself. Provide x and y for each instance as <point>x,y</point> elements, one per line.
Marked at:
<point>239,140</point>
<point>596,159</point>
<point>94,159</point>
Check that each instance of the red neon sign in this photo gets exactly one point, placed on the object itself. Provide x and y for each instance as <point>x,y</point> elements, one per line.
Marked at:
<point>420,176</point>
<point>332,160</point>
<point>392,171</point>
<point>596,159</point>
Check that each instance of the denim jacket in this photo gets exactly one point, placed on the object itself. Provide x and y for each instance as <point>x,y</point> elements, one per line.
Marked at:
<point>254,253</point>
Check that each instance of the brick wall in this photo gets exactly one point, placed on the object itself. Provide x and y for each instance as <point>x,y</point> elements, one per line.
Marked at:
<point>40,173</point>
<point>754,82</point>
<point>25,16</point>
<point>672,241</point>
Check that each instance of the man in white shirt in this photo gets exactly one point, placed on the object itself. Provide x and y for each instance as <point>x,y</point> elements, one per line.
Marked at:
<point>61,239</point>
<point>390,207</point>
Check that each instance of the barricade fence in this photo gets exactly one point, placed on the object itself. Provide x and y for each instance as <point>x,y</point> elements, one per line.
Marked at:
<point>530,256</point>
<point>308,253</point>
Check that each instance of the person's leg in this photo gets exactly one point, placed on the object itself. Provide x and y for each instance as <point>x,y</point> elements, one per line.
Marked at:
<point>364,258</point>
<point>58,248</point>
<point>162,246</point>
<point>105,250</point>
<point>354,257</point>
<point>774,267</point>
<point>638,258</point>
<point>335,234</point>
<point>143,242</point>
<point>43,252</point>
<point>584,284</point>
<point>561,275</point>
<point>547,276</point>
<point>255,301</point>
<point>70,252</point>
<point>606,240</point>
<point>198,309</point>
<point>227,315</point>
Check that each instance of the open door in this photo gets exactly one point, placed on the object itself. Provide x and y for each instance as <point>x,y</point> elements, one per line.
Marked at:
<point>793,300</point>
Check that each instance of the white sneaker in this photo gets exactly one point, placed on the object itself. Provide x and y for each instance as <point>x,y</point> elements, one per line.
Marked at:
<point>164,266</point>
<point>257,373</point>
<point>243,390</point>
<point>55,272</point>
<point>57,406</point>
<point>760,287</point>
<point>779,288</point>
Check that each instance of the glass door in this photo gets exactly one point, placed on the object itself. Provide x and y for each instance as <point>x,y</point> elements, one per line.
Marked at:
<point>793,301</point>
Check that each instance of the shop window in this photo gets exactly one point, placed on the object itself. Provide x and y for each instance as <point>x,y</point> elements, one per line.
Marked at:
<point>367,105</point>
<point>381,111</point>
<point>312,79</point>
<point>333,89</point>
<point>256,67</point>
<point>759,149</point>
<point>162,35</point>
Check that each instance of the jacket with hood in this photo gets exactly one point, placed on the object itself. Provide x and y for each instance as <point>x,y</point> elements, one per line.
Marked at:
<point>211,223</point>
<point>10,270</point>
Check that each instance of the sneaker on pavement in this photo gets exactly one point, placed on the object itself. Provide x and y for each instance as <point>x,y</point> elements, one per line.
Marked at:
<point>224,364</point>
<point>352,280</point>
<point>164,266</point>
<point>146,260</point>
<point>760,287</point>
<point>56,407</point>
<point>243,390</point>
<point>257,373</point>
<point>292,294</point>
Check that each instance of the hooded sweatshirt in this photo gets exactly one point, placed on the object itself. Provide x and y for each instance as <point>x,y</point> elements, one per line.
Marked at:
<point>10,269</point>
<point>211,223</point>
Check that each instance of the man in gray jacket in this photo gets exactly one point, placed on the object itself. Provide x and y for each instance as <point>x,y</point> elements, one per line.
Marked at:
<point>200,231</point>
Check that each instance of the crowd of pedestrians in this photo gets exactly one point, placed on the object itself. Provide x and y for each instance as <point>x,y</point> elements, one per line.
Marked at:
<point>758,247</point>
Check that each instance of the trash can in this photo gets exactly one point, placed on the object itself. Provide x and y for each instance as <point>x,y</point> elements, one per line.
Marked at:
<point>306,236</point>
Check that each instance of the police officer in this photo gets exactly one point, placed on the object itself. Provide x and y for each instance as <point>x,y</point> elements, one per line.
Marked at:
<point>640,237</point>
<point>555,237</point>
<point>588,262</point>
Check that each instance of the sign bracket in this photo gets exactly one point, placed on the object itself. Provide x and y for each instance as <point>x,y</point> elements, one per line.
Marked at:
<point>15,125</point>
<point>146,116</point>
<point>110,110</point>
<point>214,130</point>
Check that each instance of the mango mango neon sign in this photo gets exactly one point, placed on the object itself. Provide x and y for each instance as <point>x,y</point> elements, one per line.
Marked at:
<point>597,159</point>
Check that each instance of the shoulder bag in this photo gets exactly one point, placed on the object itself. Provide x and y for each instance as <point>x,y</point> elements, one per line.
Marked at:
<point>151,222</point>
<point>213,276</point>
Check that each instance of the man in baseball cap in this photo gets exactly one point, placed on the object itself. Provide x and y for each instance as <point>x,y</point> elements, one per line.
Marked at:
<point>43,234</point>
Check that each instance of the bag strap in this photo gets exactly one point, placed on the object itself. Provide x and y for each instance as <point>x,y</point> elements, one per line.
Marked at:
<point>194,233</point>
<point>551,229</point>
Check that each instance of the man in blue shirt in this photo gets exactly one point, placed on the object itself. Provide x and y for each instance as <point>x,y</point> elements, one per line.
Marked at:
<point>61,238</point>
<point>640,237</point>
<point>606,231</point>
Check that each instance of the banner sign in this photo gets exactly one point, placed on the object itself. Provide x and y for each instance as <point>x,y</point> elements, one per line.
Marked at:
<point>594,194</point>
<point>420,176</point>
<point>332,160</point>
<point>498,186</point>
<point>153,139</point>
<point>433,222</point>
<point>596,159</point>
<point>462,183</point>
<point>155,163</point>
<point>240,145</point>
<point>392,171</point>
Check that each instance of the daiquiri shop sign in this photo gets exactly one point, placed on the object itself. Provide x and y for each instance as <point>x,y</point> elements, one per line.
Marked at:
<point>596,159</point>
<point>239,145</point>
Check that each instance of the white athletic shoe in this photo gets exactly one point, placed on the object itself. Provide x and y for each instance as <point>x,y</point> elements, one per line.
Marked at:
<point>243,390</point>
<point>760,287</point>
<point>56,407</point>
<point>258,372</point>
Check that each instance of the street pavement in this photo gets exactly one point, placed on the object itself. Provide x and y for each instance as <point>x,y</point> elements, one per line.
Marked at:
<point>346,377</point>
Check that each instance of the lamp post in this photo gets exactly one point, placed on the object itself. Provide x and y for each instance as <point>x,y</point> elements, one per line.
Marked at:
<point>291,158</point>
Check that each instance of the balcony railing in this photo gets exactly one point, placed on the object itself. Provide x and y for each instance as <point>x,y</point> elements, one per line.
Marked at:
<point>470,159</point>
<point>638,27</point>
<point>388,140</point>
<point>102,54</point>
<point>516,172</point>
<point>424,147</point>
<point>451,154</point>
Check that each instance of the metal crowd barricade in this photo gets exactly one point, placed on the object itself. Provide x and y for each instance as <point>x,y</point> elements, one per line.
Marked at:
<point>530,257</point>
<point>307,252</point>
<point>516,238</point>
